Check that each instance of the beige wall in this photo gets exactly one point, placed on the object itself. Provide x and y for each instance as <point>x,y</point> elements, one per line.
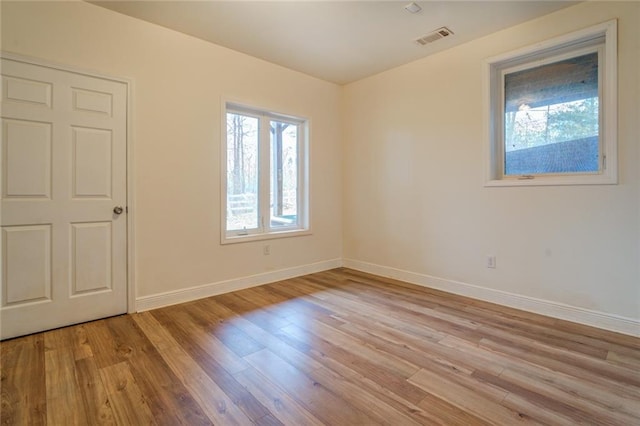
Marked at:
<point>414,198</point>
<point>410,193</point>
<point>179,83</point>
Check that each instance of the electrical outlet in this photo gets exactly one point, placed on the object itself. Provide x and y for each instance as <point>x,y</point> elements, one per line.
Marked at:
<point>266,250</point>
<point>491,262</point>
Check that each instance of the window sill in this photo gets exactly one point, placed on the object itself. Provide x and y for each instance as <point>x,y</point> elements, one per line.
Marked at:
<point>600,179</point>
<point>262,237</point>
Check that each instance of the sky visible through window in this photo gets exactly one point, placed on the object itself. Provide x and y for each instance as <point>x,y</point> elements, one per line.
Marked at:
<point>532,127</point>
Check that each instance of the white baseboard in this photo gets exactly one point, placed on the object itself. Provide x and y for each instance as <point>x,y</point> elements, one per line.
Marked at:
<point>544,307</point>
<point>146,303</point>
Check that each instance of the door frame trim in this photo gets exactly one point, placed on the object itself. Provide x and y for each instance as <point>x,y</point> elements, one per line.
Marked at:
<point>131,210</point>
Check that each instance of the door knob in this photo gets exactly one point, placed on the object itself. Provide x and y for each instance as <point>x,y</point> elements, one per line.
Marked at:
<point>118,210</point>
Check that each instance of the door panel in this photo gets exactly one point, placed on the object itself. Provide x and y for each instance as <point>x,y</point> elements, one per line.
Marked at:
<point>92,101</point>
<point>92,150</point>
<point>26,245</point>
<point>63,171</point>
<point>91,257</point>
<point>27,159</point>
<point>21,90</point>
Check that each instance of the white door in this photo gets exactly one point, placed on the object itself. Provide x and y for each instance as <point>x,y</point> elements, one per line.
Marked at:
<point>64,249</point>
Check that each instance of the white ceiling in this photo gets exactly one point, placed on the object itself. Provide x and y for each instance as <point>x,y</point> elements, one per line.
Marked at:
<point>338,41</point>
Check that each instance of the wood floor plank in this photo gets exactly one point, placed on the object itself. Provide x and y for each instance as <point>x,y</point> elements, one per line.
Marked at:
<point>311,394</point>
<point>65,405</point>
<point>427,297</point>
<point>269,420</point>
<point>196,321</point>
<point>359,397</point>
<point>438,411</point>
<point>624,359</point>
<point>217,405</point>
<point>540,373</point>
<point>587,362</point>
<point>236,340</point>
<point>94,395</point>
<point>565,367</point>
<point>81,347</point>
<point>594,403</point>
<point>155,332</point>
<point>419,353</point>
<point>544,401</point>
<point>391,362</point>
<point>251,407</point>
<point>360,364</point>
<point>254,311</point>
<point>353,312</point>
<point>410,306</point>
<point>268,340</point>
<point>22,385</point>
<point>105,350</point>
<point>523,327</point>
<point>545,415</point>
<point>380,289</point>
<point>282,406</point>
<point>128,402</point>
<point>166,395</point>
<point>338,347</point>
<point>468,399</point>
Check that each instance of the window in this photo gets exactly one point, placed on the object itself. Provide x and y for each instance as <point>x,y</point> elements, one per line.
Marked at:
<point>552,112</point>
<point>265,182</point>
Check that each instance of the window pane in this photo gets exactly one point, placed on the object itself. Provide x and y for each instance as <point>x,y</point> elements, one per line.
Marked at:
<point>551,121</point>
<point>242,172</point>
<point>284,174</point>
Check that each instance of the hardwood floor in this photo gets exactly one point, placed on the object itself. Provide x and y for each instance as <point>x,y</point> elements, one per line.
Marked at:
<point>338,347</point>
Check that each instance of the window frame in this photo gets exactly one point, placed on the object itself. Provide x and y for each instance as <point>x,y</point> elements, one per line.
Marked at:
<point>601,38</point>
<point>264,230</point>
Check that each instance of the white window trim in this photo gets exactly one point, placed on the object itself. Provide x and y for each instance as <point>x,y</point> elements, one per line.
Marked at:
<point>494,107</point>
<point>260,234</point>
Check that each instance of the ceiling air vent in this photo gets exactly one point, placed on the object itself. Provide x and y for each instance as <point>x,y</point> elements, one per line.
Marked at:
<point>435,35</point>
